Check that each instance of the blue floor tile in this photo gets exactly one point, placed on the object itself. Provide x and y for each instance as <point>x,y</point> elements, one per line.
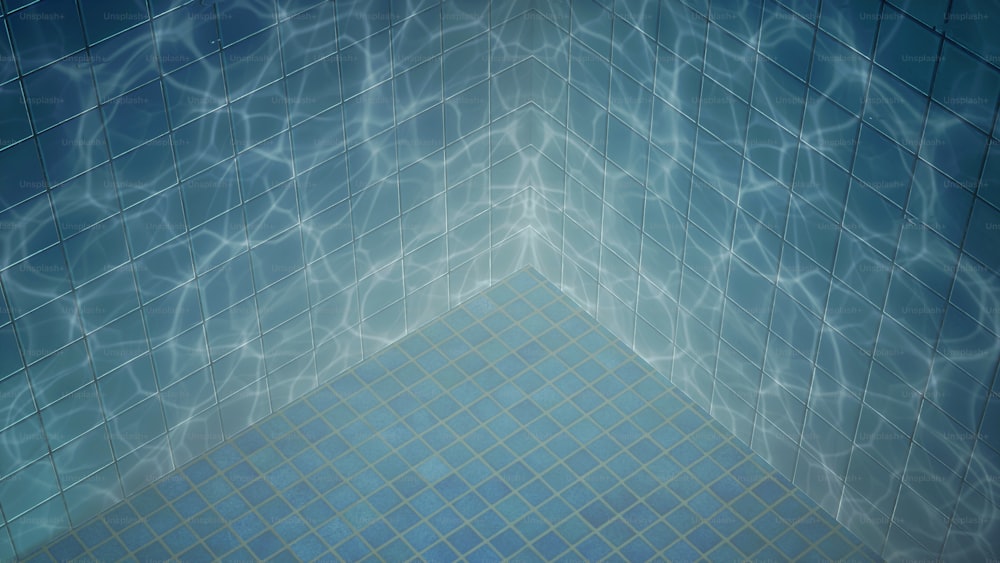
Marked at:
<point>512,428</point>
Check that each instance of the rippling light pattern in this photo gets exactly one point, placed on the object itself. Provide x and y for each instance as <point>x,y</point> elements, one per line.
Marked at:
<point>790,209</point>
<point>513,428</point>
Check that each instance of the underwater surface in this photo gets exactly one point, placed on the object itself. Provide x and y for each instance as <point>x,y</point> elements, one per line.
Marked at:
<point>789,210</point>
<point>514,428</point>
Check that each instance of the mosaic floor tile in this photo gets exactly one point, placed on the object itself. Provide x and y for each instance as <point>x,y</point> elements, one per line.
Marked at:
<point>475,439</point>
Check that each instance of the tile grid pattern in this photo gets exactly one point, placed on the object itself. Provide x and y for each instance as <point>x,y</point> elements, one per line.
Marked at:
<point>797,162</point>
<point>472,438</point>
<point>252,204</point>
<point>910,430</point>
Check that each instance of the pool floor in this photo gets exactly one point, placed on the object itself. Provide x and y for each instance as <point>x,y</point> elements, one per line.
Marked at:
<point>512,428</point>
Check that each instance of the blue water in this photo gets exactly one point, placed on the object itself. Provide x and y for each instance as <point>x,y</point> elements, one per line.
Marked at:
<point>788,209</point>
<point>513,428</point>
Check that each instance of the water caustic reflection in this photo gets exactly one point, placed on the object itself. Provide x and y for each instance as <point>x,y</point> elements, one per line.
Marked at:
<point>473,436</point>
<point>789,211</point>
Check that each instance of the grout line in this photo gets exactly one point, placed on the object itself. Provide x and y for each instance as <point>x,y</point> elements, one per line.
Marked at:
<point>517,296</point>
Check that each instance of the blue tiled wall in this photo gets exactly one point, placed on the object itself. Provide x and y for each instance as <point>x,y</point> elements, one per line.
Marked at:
<point>209,207</point>
<point>791,209</point>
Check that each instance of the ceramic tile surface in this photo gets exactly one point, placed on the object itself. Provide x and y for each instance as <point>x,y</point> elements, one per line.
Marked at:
<point>789,209</point>
<point>513,428</point>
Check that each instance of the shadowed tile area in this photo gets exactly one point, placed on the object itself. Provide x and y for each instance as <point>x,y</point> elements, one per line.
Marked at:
<point>514,427</point>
